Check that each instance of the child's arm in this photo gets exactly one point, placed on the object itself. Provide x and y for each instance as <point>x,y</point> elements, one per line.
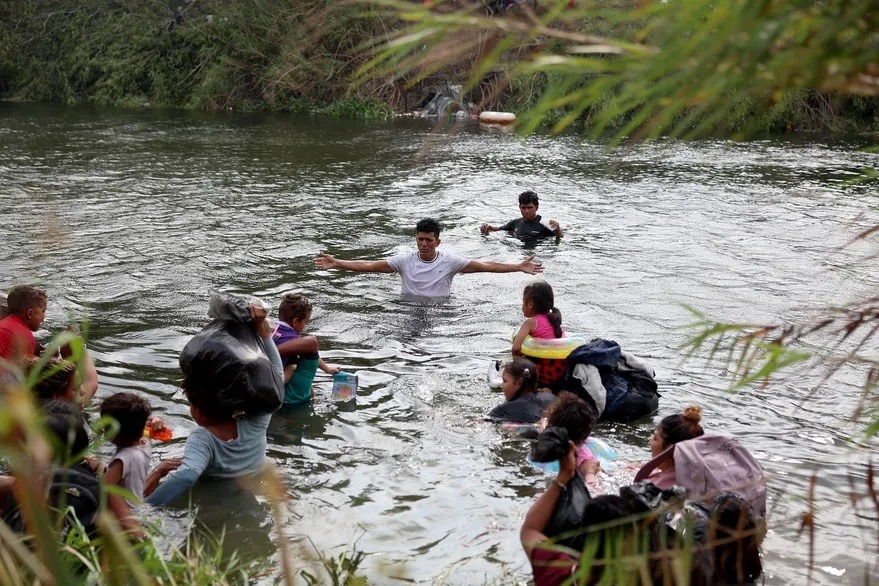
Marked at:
<point>164,468</point>
<point>525,329</point>
<point>298,347</point>
<point>113,475</point>
<point>327,368</point>
<point>589,469</point>
<point>122,512</point>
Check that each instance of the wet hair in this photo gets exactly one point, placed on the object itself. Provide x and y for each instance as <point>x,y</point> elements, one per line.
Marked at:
<point>54,385</point>
<point>64,423</point>
<point>573,414</point>
<point>131,412</point>
<point>734,540</point>
<point>294,306</point>
<point>23,297</point>
<point>523,370</point>
<point>681,426</point>
<point>199,393</point>
<point>528,197</point>
<point>540,293</point>
<point>429,225</point>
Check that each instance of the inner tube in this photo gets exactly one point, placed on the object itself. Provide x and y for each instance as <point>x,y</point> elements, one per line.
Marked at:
<point>604,453</point>
<point>497,117</point>
<point>553,349</point>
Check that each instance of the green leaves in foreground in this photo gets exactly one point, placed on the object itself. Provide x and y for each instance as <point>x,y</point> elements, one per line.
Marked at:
<point>758,353</point>
<point>642,69</point>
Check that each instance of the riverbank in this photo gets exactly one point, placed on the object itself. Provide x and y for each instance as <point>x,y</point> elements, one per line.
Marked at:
<point>274,55</point>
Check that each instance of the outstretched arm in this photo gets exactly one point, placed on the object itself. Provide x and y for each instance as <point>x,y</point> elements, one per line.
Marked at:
<point>159,472</point>
<point>196,457</point>
<point>487,266</point>
<point>557,230</point>
<point>325,261</point>
<point>486,228</point>
<point>327,368</point>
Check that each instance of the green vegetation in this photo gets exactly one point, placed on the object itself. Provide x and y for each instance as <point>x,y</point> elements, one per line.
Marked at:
<point>566,66</point>
<point>213,55</point>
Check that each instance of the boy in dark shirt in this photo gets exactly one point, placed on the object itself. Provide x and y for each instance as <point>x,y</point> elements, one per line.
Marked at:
<point>529,226</point>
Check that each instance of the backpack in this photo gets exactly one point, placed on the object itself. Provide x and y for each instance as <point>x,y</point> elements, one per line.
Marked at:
<point>714,463</point>
<point>72,492</point>
<point>619,385</point>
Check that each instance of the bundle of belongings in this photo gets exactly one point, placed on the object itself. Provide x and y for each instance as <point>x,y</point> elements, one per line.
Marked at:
<point>617,384</point>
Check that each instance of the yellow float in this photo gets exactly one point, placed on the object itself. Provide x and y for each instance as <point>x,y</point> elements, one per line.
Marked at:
<point>551,349</point>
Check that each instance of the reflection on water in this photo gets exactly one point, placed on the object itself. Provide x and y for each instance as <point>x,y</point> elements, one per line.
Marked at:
<point>131,218</point>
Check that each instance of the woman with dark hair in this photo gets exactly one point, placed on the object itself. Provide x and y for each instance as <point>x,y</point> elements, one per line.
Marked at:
<point>671,430</point>
<point>608,530</point>
<point>524,403</point>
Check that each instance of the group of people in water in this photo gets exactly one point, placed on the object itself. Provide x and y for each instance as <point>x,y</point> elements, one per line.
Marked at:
<point>228,444</point>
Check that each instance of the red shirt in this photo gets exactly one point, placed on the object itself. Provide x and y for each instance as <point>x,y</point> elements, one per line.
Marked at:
<point>550,567</point>
<point>16,339</point>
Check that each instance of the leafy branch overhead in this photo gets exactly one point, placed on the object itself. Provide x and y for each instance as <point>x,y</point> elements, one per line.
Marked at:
<point>760,352</point>
<point>671,68</point>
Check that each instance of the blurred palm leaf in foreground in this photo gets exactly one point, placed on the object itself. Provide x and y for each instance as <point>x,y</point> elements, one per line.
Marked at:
<point>642,69</point>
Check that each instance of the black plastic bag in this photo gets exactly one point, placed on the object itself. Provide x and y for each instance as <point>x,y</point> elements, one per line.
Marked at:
<point>551,445</point>
<point>566,523</point>
<point>228,357</point>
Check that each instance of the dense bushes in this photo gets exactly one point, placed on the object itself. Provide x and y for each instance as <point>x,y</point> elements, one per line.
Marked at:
<point>213,54</point>
<point>302,55</point>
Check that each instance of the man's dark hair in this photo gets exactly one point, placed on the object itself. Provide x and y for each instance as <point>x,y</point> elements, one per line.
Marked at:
<point>527,197</point>
<point>23,297</point>
<point>428,225</point>
<point>131,411</point>
<point>293,306</point>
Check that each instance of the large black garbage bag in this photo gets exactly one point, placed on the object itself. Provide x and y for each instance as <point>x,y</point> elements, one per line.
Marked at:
<point>228,358</point>
<point>565,526</point>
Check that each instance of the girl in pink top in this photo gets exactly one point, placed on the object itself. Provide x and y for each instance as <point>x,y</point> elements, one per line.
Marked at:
<point>542,318</point>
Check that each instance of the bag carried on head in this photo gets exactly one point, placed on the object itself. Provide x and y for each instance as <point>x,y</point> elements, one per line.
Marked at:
<point>711,464</point>
<point>565,524</point>
<point>228,357</point>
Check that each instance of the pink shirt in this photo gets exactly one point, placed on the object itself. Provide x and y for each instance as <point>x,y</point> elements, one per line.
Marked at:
<point>16,339</point>
<point>543,329</point>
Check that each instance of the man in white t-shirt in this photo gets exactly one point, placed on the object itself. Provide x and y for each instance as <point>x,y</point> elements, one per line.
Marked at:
<point>427,272</point>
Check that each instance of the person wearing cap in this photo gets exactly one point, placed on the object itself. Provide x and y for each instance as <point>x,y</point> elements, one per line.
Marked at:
<point>530,226</point>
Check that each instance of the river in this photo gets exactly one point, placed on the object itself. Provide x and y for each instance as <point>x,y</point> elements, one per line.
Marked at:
<point>133,217</point>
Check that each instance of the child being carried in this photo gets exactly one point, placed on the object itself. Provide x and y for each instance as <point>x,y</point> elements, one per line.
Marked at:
<point>299,354</point>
